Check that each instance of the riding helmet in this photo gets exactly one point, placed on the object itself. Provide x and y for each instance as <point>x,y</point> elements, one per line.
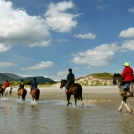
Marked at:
<point>126,64</point>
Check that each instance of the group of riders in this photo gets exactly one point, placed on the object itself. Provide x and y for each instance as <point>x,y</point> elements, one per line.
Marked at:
<point>33,85</point>
<point>127,77</point>
<point>21,85</point>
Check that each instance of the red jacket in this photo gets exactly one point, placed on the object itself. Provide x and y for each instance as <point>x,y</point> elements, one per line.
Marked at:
<point>127,74</point>
<point>7,84</point>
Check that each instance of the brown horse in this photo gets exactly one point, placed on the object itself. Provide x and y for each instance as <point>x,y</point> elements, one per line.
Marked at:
<point>1,92</point>
<point>75,89</point>
<point>22,92</point>
<point>35,94</point>
<point>128,91</point>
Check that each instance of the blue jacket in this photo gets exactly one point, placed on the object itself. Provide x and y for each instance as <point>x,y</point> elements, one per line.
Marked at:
<point>34,84</point>
<point>21,85</point>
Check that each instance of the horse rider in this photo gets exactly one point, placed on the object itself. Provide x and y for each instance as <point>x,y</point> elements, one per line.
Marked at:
<point>21,85</point>
<point>7,84</point>
<point>127,77</point>
<point>70,80</point>
<point>34,85</point>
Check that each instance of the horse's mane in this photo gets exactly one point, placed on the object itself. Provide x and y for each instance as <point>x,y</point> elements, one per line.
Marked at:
<point>117,75</point>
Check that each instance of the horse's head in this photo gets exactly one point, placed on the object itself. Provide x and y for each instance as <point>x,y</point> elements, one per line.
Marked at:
<point>62,83</point>
<point>117,79</point>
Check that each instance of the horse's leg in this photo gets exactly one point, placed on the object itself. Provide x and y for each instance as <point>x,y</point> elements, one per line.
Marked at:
<point>75,100</point>
<point>121,106</point>
<point>2,93</point>
<point>68,98</point>
<point>125,104</point>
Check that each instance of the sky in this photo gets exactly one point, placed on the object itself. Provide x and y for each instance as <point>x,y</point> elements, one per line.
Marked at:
<point>47,37</point>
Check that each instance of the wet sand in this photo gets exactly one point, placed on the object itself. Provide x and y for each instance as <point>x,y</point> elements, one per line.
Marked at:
<point>51,116</point>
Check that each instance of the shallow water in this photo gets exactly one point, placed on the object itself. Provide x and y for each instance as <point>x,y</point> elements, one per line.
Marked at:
<point>54,117</point>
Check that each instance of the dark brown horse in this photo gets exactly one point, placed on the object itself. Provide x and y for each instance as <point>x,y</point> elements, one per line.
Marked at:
<point>75,89</point>
<point>127,89</point>
<point>35,94</point>
<point>1,92</point>
<point>22,92</point>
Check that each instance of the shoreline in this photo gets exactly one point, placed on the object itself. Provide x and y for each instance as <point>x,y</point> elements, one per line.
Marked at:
<point>94,92</point>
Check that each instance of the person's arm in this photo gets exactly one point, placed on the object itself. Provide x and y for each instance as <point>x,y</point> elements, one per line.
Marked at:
<point>124,74</point>
<point>67,77</point>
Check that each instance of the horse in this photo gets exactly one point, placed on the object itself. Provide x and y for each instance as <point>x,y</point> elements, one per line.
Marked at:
<point>127,89</point>
<point>1,92</point>
<point>35,93</point>
<point>74,89</point>
<point>8,92</point>
<point>22,92</point>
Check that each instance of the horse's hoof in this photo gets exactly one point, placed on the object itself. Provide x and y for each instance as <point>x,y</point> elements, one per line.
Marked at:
<point>131,111</point>
<point>120,109</point>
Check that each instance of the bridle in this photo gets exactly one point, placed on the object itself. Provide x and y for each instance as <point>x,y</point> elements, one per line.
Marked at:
<point>63,83</point>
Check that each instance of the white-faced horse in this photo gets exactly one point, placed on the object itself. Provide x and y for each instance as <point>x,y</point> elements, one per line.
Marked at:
<point>8,92</point>
<point>127,89</point>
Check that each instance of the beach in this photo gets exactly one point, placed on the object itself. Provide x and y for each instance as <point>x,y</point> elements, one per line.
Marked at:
<point>51,116</point>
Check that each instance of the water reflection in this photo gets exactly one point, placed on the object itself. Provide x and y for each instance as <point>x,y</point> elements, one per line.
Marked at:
<point>54,117</point>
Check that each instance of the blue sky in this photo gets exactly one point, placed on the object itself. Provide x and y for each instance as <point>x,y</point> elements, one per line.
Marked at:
<point>46,38</point>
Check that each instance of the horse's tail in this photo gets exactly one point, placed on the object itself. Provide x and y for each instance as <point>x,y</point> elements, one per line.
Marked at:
<point>79,92</point>
<point>38,94</point>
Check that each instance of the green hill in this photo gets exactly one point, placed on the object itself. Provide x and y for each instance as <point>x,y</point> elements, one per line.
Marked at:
<point>15,78</point>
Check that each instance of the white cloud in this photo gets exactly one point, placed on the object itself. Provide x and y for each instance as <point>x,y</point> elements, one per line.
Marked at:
<point>16,27</point>
<point>39,66</point>
<point>58,19</point>
<point>6,64</point>
<point>62,73</point>
<point>62,40</point>
<point>4,47</point>
<point>127,45</point>
<point>86,36</point>
<point>127,32</point>
<point>99,56</point>
<point>131,10</point>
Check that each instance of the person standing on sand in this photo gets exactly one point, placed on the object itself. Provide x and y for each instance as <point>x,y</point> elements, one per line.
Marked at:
<point>70,80</point>
<point>34,84</point>
<point>127,77</point>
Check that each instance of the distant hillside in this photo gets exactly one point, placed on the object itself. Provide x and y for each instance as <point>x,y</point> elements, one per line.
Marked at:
<point>96,79</point>
<point>4,77</point>
<point>40,79</point>
<point>13,77</point>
